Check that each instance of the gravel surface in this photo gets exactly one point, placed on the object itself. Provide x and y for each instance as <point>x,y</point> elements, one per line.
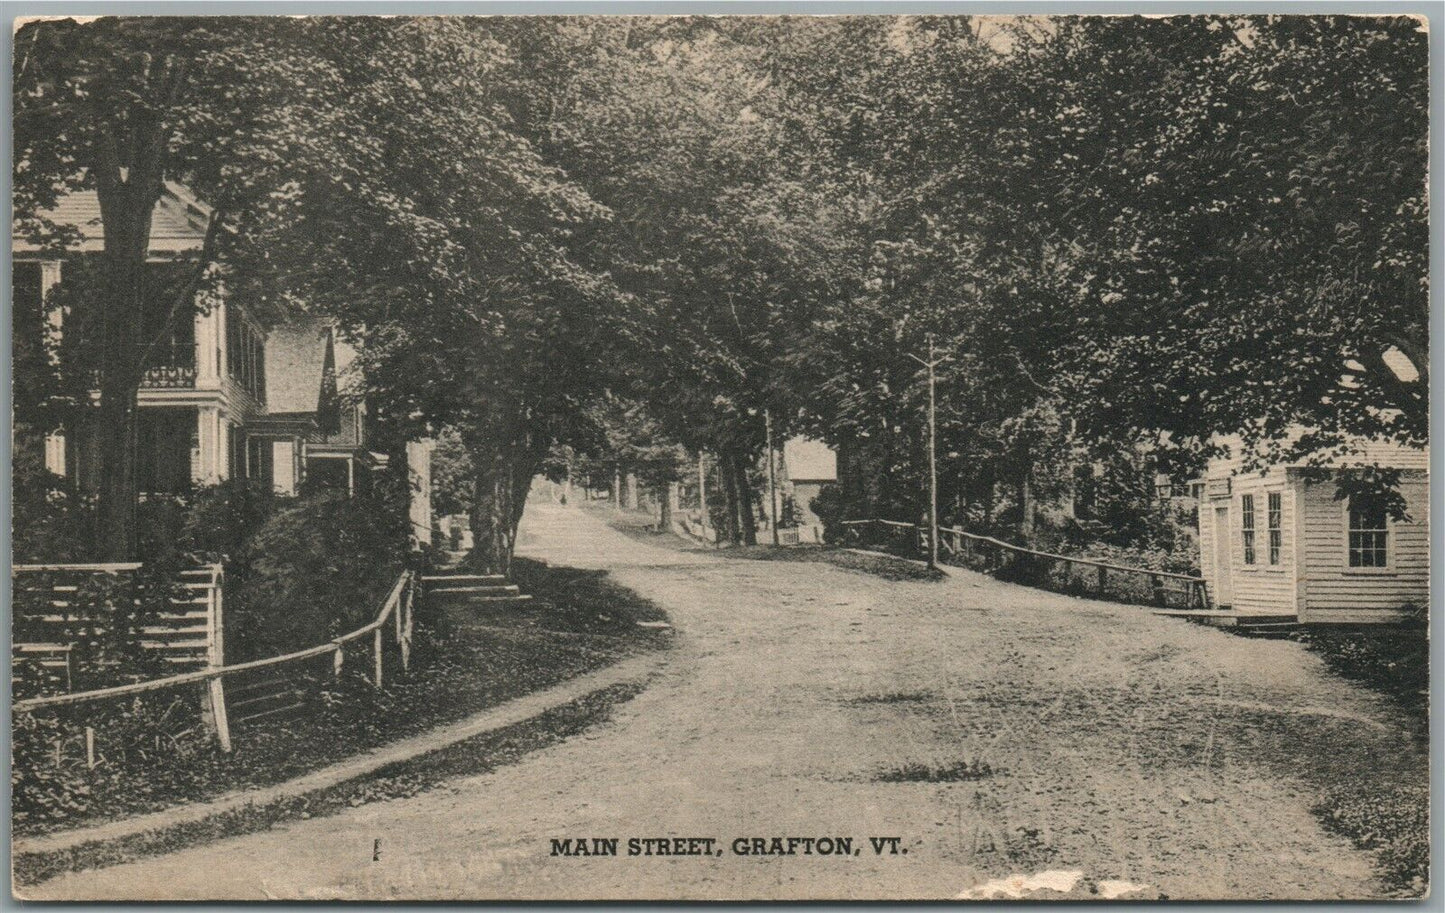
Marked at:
<point>1088,749</point>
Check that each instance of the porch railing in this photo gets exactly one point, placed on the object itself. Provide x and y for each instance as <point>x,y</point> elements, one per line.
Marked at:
<point>1046,570</point>
<point>169,377</point>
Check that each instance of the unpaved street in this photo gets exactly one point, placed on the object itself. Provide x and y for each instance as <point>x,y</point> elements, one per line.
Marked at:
<point>1081,736</point>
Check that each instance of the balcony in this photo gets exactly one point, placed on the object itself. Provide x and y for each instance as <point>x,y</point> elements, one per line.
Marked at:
<point>175,368</point>
<point>169,377</point>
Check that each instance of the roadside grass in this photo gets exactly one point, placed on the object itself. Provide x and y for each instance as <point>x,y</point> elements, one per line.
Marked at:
<point>471,757</point>
<point>1393,660</point>
<point>877,565</point>
<point>643,527</point>
<point>892,697</point>
<point>1379,810</point>
<point>467,658</point>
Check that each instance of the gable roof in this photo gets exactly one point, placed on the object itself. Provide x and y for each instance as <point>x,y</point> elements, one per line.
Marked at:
<point>300,367</point>
<point>178,224</point>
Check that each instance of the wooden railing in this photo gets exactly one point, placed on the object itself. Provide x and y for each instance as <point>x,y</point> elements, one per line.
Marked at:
<point>1048,570</point>
<point>398,609</point>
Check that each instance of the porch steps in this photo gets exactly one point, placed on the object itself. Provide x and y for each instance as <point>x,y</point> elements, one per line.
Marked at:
<point>452,579</point>
<point>506,589</point>
<point>475,588</point>
<point>1254,624</point>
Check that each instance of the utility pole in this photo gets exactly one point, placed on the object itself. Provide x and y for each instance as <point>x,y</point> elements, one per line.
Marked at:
<point>931,364</point>
<point>701,490</point>
<point>772,476</point>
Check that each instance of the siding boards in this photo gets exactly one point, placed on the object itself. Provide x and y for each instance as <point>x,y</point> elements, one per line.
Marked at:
<point>1330,585</point>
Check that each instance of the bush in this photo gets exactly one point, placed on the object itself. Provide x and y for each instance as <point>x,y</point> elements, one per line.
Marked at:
<point>832,509</point>
<point>211,525</point>
<point>315,569</point>
<point>50,522</point>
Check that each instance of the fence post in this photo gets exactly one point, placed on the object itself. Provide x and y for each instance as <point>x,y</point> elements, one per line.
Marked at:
<point>1103,580</point>
<point>376,654</point>
<point>1157,583</point>
<point>90,747</point>
<point>216,688</point>
<point>403,623</point>
<point>336,662</point>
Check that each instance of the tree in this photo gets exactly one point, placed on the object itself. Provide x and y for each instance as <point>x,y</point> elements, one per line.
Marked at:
<point>120,106</point>
<point>441,242</point>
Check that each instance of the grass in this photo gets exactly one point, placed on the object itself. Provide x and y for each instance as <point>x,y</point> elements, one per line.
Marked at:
<point>1393,660</point>
<point>468,658</point>
<point>892,697</point>
<point>1379,810</point>
<point>474,756</point>
<point>956,772</point>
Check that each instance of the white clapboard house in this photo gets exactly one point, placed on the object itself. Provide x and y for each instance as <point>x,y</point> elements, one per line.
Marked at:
<point>226,397</point>
<point>1281,542</point>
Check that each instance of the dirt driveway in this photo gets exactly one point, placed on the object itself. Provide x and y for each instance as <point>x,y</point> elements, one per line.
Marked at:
<point>1087,740</point>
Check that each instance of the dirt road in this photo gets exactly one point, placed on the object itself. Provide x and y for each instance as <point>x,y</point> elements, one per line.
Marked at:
<point>1086,740</point>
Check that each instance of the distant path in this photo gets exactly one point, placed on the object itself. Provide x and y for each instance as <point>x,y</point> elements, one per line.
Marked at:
<point>1105,740</point>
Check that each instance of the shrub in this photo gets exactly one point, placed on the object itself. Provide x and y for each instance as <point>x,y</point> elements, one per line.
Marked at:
<point>50,522</point>
<point>315,569</point>
<point>832,509</point>
<point>211,524</point>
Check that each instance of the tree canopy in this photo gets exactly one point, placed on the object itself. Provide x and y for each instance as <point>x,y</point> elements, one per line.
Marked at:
<point>632,235</point>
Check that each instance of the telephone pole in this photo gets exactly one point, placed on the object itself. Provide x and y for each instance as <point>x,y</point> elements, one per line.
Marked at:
<point>931,364</point>
<point>772,476</point>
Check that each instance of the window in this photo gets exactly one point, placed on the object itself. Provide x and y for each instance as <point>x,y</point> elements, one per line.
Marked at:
<point>246,355</point>
<point>1246,526</point>
<point>237,460</point>
<point>1274,525</point>
<point>1368,534</point>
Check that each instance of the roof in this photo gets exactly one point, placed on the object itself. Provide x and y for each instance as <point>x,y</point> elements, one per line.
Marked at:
<point>299,358</point>
<point>1361,452</point>
<point>178,224</point>
<point>806,460</point>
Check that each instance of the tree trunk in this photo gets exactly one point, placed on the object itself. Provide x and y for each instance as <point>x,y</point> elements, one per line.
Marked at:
<point>730,498</point>
<point>664,506</point>
<point>116,505</point>
<point>747,522</point>
<point>503,479</point>
<point>126,213</point>
<point>1026,506</point>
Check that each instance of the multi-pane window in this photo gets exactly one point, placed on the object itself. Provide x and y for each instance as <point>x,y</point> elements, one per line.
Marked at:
<point>1274,524</point>
<point>246,355</point>
<point>1246,526</point>
<point>1369,533</point>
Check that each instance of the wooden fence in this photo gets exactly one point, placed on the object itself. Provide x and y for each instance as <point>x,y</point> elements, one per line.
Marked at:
<point>398,609</point>
<point>1061,573</point>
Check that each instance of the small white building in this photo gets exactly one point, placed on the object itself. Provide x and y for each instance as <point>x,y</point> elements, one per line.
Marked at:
<point>807,466</point>
<point>1280,542</point>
